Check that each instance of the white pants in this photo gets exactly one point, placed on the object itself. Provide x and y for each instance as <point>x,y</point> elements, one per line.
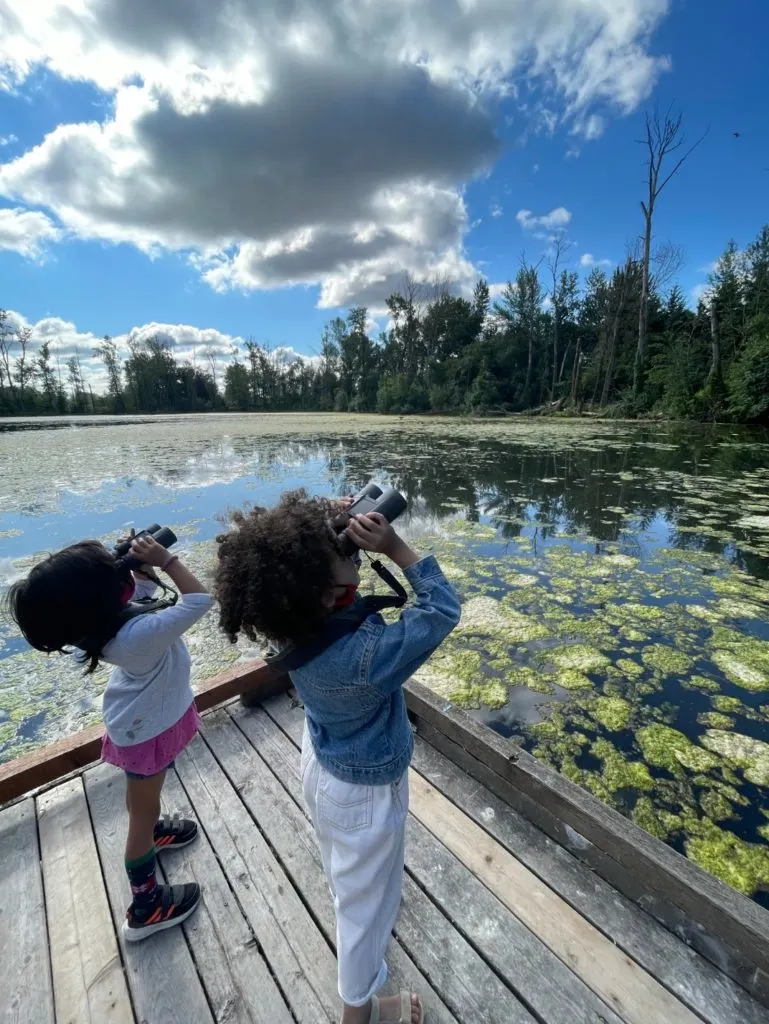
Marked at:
<point>361,831</point>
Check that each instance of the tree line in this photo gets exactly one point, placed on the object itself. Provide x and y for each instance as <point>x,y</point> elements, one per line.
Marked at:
<point>623,343</point>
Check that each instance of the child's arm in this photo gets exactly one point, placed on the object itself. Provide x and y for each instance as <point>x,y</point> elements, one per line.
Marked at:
<point>152,553</point>
<point>401,648</point>
<point>145,639</point>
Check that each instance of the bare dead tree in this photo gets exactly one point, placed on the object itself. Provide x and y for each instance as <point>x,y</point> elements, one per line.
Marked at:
<point>667,260</point>
<point>621,287</point>
<point>575,373</point>
<point>664,138</point>
<point>24,371</point>
<point>211,356</point>
<point>715,343</point>
<point>8,338</point>
<point>561,246</point>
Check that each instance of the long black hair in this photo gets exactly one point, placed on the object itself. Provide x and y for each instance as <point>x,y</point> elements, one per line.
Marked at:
<point>70,599</point>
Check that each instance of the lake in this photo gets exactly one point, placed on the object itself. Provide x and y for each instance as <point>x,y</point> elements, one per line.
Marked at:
<point>615,581</point>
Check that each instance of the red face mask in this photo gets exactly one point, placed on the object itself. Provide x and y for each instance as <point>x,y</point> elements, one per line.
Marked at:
<point>348,595</point>
<point>128,591</point>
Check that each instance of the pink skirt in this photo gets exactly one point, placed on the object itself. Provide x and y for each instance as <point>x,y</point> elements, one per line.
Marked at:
<point>155,755</point>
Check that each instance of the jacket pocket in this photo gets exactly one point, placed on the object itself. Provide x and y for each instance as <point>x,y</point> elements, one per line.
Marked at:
<point>345,806</point>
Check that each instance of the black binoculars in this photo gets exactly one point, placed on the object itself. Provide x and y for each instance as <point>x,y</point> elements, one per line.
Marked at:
<point>161,534</point>
<point>385,500</point>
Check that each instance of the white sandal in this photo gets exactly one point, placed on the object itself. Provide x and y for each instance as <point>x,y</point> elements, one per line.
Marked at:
<point>405,1014</point>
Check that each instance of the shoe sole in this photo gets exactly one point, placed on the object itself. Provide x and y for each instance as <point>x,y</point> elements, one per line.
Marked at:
<point>138,934</point>
<point>176,846</point>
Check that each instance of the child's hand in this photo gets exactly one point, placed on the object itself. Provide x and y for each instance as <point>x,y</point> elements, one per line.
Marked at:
<point>149,552</point>
<point>145,572</point>
<point>372,532</point>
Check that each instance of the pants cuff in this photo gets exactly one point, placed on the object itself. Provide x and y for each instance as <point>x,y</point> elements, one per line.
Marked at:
<point>381,978</point>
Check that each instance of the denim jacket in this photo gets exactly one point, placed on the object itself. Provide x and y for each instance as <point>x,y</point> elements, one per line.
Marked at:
<point>353,691</point>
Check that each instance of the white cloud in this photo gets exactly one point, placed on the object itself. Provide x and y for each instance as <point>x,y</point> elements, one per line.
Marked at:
<point>700,292</point>
<point>7,140</point>
<point>497,289</point>
<point>196,345</point>
<point>496,210</point>
<point>588,260</point>
<point>572,154</point>
<point>556,219</point>
<point>547,121</point>
<point>591,128</point>
<point>535,169</point>
<point>283,144</point>
<point>26,232</point>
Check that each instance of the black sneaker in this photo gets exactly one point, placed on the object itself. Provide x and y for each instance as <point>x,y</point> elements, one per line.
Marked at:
<point>174,832</point>
<point>175,905</point>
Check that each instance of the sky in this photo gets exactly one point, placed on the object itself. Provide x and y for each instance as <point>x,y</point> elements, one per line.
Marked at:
<point>213,172</point>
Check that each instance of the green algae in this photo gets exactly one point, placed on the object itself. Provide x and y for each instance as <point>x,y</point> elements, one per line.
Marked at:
<point>492,694</point>
<point>716,807</point>
<point>729,705</point>
<point>572,679</point>
<point>630,668</point>
<point>715,720</point>
<point>700,684</point>
<point>619,773</point>
<point>664,747</point>
<point>578,657</point>
<point>665,660</point>
<point>645,816</point>
<point>743,660</point>
<point>613,713</point>
<point>744,866</point>
<point>745,752</point>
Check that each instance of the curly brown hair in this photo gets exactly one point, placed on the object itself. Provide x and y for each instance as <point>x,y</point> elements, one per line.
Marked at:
<point>274,568</point>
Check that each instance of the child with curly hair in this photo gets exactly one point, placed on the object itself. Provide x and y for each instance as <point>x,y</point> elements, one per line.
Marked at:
<point>78,599</point>
<point>282,573</point>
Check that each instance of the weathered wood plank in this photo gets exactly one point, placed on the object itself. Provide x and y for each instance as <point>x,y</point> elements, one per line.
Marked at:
<point>547,985</point>
<point>466,983</point>
<point>288,714</point>
<point>723,912</point>
<point>299,957</point>
<point>622,984</point>
<point>691,977</point>
<point>164,984</point>
<point>289,832</point>
<point>240,988</point>
<point>88,982</point>
<point>714,949</point>
<point>26,996</point>
<point>56,760</point>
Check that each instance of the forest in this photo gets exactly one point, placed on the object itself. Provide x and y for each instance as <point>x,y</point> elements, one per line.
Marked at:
<point>544,344</point>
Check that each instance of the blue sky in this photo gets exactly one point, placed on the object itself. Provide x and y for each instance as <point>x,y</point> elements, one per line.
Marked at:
<point>153,174</point>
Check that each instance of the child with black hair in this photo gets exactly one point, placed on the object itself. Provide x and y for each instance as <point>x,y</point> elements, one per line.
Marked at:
<point>78,599</point>
<point>281,574</point>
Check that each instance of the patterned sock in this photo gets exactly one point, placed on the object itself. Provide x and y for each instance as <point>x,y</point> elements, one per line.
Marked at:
<point>141,876</point>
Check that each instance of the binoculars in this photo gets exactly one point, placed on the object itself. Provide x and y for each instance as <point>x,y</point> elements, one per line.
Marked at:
<point>386,501</point>
<point>159,533</point>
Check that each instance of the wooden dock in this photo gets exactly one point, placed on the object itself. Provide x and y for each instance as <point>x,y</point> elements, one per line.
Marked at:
<point>500,924</point>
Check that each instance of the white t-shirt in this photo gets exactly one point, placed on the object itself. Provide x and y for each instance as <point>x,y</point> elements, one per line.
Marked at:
<point>149,688</point>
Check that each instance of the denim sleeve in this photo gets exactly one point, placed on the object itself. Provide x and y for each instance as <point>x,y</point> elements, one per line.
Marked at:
<point>399,649</point>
